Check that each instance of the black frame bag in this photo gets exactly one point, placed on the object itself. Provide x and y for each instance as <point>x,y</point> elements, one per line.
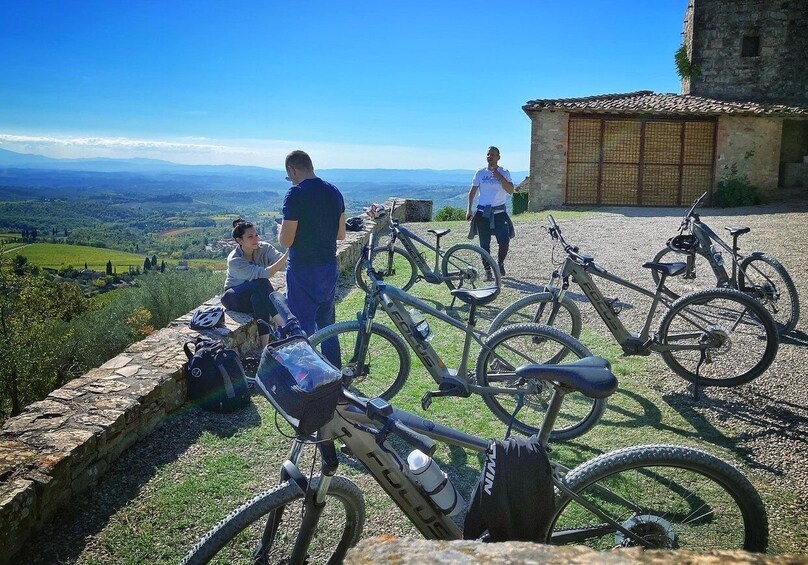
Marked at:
<point>302,385</point>
<point>215,376</point>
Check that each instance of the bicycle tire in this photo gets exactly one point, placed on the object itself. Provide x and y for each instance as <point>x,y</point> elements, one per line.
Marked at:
<point>529,309</point>
<point>343,490</point>
<point>728,326</point>
<point>649,478</point>
<point>394,361</point>
<point>454,265</point>
<point>409,271</point>
<point>578,412</point>
<point>698,277</point>
<point>767,293</point>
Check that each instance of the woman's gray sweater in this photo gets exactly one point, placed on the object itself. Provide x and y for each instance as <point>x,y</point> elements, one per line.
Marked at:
<point>240,270</point>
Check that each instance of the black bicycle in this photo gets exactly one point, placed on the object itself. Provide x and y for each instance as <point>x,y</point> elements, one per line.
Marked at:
<point>759,275</point>
<point>653,496</point>
<point>461,266</point>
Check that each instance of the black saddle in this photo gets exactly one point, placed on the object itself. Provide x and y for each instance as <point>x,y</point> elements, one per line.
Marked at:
<point>737,231</point>
<point>439,233</point>
<point>476,296</point>
<point>670,269</point>
<point>592,376</point>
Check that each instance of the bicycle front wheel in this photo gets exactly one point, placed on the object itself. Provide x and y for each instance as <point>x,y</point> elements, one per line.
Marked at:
<point>386,364</point>
<point>766,280</point>
<point>699,274</point>
<point>469,266</point>
<point>394,267</point>
<point>239,535</point>
<point>720,336</point>
<point>541,308</point>
<point>521,344</point>
<point>669,497</point>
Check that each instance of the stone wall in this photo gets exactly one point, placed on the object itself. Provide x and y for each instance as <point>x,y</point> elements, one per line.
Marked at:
<point>548,159</point>
<point>424,552</point>
<point>714,31</point>
<point>752,144</point>
<point>59,447</point>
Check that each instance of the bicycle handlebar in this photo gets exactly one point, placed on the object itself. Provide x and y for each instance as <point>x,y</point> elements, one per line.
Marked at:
<point>571,250</point>
<point>696,203</point>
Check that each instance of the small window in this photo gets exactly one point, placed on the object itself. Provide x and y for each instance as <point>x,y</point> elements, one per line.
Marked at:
<point>750,46</point>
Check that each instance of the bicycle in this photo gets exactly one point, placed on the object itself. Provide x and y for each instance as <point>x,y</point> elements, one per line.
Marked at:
<point>380,358</point>
<point>403,267</point>
<point>656,496</point>
<point>713,337</point>
<point>759,275</point>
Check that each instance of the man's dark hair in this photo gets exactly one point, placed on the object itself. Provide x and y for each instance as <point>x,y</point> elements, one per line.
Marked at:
<point>495,149</point>
<point>299,160</point>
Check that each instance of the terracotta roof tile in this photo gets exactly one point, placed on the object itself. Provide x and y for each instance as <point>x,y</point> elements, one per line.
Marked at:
<point>646,101</point>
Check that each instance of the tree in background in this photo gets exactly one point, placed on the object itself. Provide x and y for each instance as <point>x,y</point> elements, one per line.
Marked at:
<point>153,261</point>
<point>109,267</point>
<point>146,265</point>
<point>162,266</point>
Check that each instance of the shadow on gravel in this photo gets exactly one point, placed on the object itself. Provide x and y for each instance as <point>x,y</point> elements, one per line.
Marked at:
<point>91,511</point>
<point>762,416</point>
<point>796,337</point>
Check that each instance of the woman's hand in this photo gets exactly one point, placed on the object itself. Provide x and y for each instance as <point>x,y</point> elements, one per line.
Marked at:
<point>278,265</point>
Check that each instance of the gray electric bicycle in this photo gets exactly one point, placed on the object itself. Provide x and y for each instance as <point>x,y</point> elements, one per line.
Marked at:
<point>759,275</point>
<point>380,360</point>
<point>655,496</point>
<point>461,266</point>
<point>713,337</point>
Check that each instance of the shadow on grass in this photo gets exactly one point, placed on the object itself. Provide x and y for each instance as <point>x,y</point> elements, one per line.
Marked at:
<point>90,512</point>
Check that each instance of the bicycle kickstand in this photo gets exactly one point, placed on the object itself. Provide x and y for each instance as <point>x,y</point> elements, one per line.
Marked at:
<point>696,389</point>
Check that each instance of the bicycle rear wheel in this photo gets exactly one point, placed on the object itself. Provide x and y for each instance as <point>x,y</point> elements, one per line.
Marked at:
<point>540,308</point>
<point>521,344</point>
<point>396,268</point>
<point>739,333</point>
<point>236,537</point>
<point>767,281</point>
<point>467,266</point>
<point>670,496</point>
<point>386,365</point>
<point>699,274</point>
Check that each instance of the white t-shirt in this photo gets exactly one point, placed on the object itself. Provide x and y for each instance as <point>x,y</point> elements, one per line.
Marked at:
<point>491,191</point>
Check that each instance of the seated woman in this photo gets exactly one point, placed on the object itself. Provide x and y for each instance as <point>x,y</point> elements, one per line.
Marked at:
<point>249,267</point>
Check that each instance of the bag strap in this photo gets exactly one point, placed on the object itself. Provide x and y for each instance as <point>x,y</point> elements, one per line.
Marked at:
<point>188,349</point>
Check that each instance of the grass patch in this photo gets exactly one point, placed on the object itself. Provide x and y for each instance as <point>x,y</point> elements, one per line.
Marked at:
<point>53,255</point>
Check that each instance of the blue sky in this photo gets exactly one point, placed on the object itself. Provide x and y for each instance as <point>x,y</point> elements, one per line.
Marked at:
<point>358,84</point>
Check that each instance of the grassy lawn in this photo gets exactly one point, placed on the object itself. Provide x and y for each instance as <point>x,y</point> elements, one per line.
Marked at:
<point>53,255</point>
<point>167,499</point>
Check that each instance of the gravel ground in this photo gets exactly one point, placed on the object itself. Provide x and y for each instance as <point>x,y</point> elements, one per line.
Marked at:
<point>764,420</point>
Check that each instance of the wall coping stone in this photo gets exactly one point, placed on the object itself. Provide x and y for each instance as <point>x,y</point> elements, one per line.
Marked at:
<point>62,445</point>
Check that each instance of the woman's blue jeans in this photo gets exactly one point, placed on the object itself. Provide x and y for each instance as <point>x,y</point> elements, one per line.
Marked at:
<point>252,297</point>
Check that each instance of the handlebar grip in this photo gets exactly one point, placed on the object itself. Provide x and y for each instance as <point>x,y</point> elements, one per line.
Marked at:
<point>418,441</point>
<point>279,302</point>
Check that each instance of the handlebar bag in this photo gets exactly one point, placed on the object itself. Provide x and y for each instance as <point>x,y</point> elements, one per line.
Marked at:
<point>513,500</point>
<point>300,382</point>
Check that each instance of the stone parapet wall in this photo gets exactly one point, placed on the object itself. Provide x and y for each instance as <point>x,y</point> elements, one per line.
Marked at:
<point>62,445</point>
<point>424,552</point>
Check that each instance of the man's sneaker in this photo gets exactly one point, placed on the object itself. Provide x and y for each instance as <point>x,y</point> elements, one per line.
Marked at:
<point>489,276</point>
<point>502,269</point>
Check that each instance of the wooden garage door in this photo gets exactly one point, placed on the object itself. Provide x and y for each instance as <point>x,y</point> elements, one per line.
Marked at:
<point>653,162</point>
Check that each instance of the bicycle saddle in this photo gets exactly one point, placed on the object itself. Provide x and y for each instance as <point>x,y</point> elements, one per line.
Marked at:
<point>439,233</point>
<point>670,269</point>
<point>737,231</point>
<point>591,376</point>
<point>476,295</point>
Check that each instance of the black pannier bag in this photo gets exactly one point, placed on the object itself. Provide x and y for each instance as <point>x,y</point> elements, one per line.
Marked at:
<point>514,499</point>
<point>215,376</point>
<point>300,383</point>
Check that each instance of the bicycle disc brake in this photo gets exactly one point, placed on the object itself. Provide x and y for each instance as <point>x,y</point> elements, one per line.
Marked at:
<point>653,529</point>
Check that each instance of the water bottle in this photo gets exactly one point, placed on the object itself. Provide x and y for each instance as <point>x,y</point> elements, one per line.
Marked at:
<point>719,259</point>
<point>435,482</point>
<point>420,325</point>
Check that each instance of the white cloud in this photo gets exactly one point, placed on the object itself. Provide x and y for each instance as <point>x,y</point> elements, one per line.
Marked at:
<point>261,152</point>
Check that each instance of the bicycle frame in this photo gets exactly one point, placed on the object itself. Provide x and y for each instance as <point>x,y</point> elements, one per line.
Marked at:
<point>406,236</point>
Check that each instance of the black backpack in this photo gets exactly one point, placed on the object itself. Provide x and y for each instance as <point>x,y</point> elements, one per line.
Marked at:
<point>514,499</point>
<point>215,376</point>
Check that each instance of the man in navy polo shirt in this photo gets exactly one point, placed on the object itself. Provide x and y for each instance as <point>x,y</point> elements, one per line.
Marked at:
<point>313,221</point>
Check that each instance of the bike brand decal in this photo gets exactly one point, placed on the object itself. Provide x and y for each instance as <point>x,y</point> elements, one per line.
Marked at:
<point>490,468</point>
<point>417,345</point>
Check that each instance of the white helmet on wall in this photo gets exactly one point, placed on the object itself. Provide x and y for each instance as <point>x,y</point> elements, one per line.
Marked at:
<point>207,317</point>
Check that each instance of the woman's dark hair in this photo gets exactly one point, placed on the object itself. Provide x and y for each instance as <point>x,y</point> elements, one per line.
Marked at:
<point>240,226</point>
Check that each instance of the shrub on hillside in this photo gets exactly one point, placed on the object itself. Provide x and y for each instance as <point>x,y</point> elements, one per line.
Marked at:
<point>450,214</point>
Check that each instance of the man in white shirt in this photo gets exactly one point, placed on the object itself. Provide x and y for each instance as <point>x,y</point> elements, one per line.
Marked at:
<point>494,184</point>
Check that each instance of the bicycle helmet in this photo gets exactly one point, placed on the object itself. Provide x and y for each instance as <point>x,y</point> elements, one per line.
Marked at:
<point>683,243</point>
<point>207,317</point>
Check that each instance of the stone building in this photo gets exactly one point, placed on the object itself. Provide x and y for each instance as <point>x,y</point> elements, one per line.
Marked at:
<point>743,111</point>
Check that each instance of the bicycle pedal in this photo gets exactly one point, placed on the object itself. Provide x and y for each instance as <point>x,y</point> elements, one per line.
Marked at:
<point>426,400</point>
<point>346,451</point>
